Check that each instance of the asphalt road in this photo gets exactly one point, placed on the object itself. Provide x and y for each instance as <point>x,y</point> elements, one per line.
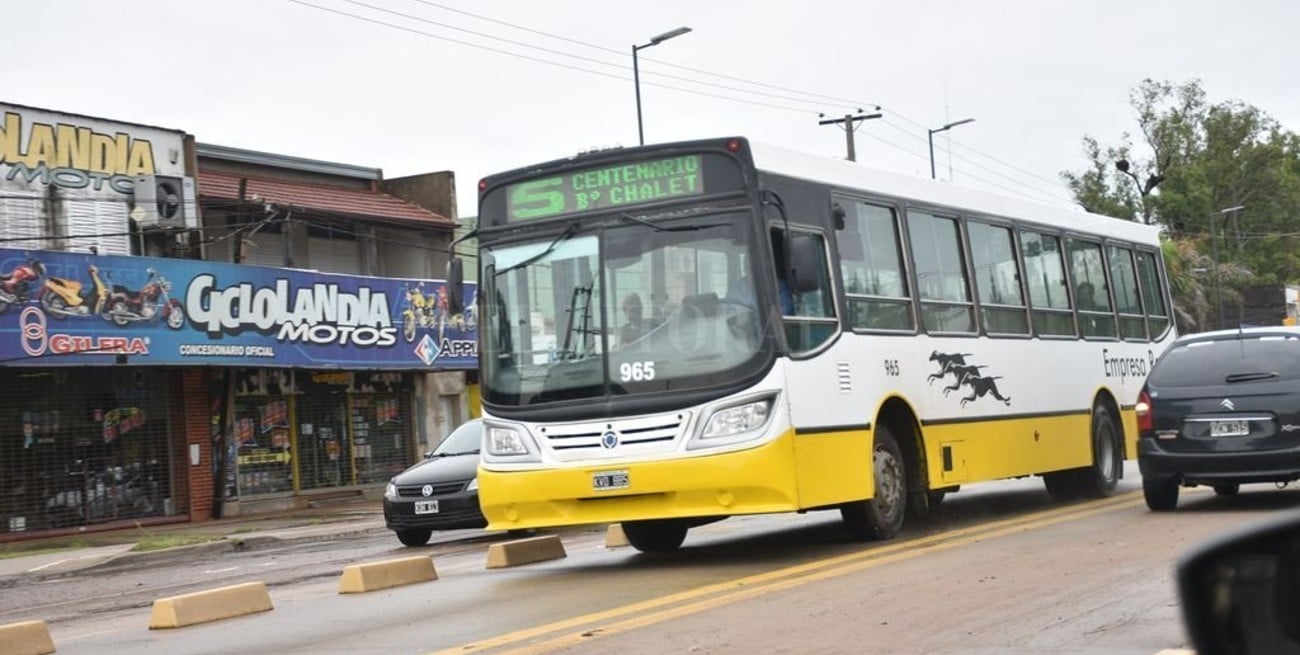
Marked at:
<point>1003,569</point>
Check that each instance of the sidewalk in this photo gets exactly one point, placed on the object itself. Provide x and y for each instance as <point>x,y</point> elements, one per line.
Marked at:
<point>68,553</point>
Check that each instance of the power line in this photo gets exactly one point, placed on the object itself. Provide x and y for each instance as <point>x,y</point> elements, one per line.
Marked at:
<point>547,61</point>
<point>856,103</point>
<point>573,56</point>
<point>810,95</point>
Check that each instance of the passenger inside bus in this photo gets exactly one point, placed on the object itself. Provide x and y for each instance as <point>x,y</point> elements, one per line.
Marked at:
<point>635,325</point>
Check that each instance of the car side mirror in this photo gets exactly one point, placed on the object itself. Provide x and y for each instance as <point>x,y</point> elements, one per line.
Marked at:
<point>1241,593</point>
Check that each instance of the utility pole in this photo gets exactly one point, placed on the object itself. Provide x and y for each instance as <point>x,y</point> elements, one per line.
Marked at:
<point>849,122</point>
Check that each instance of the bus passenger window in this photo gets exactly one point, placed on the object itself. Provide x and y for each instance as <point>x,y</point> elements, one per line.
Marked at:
<point>871,264</point>
<point>940,273</point>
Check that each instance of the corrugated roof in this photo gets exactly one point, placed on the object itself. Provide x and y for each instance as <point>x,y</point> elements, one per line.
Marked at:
<point>338,200</point>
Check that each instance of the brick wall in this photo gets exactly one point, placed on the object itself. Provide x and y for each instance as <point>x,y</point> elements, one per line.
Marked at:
<point>196,419</point>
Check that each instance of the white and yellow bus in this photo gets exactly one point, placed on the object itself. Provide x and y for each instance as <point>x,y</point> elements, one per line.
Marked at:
<point>675,334</point>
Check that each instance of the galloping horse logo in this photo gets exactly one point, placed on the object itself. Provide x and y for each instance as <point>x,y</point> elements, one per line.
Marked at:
<point>966,375</point>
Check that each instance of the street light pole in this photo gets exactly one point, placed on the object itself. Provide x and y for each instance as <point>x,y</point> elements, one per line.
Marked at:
<point>636,72</point>
<point>1214,253</point>
<point>945,128</point>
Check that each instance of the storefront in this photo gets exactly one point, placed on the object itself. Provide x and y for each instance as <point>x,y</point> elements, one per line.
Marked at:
<point>303,430</point>
<point>87,446</point>
<point>185,388</point>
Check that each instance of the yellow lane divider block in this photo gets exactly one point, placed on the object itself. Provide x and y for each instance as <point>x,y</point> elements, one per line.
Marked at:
<point>372,576</point>
<point>525,551</point>
<point>615,537</point>
<point>25,638</point>
<point>210,605</point>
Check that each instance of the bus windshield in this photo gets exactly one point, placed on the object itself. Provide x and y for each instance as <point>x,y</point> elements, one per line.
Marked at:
<point>638,306</point>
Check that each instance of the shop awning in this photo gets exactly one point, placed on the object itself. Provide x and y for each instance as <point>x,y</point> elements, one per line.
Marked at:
<point>336,200</point>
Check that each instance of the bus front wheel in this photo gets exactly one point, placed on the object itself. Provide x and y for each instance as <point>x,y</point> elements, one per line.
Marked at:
<point>882,516</point>
<point>655,536</point>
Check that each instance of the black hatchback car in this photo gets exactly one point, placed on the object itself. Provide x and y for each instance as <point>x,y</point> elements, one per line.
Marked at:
<point>1221,409</point>
<point>440,492</point>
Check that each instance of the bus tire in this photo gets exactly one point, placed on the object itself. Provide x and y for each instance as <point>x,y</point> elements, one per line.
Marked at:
<point>881,517</point>
<point>655,536</point>
<point>1100,478</point>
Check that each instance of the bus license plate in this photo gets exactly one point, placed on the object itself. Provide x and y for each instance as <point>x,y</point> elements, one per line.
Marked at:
<point>1229,428</point>
<point>609,480</point>
<point>426,507</point>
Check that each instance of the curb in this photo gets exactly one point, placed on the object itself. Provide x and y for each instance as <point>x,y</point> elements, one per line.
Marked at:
<point>229,543</point>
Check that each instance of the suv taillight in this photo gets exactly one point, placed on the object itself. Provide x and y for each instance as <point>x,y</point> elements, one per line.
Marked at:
<point>1143,408</point>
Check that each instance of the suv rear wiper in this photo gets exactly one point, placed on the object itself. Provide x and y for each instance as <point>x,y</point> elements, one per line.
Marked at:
<point>1248,377</point>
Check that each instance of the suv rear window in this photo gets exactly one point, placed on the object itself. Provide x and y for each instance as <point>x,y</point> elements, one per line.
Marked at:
<point>1204,363</point>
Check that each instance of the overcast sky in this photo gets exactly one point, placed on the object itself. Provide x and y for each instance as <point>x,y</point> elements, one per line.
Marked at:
<point>283,77</point>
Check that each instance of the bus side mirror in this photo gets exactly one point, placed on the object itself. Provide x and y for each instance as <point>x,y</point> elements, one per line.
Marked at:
<point>806,260</point>
<point>456,286</point>
<point>1241,593</point>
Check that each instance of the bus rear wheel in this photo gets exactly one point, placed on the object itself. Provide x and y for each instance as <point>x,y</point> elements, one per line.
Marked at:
<point>1100,478</point>
<point>655,536</point>
<point>881,517</point>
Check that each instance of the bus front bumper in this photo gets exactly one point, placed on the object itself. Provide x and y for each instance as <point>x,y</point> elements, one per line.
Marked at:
<point>755,481</point>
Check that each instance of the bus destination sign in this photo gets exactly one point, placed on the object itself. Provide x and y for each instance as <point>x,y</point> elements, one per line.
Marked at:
<point>609,186</point>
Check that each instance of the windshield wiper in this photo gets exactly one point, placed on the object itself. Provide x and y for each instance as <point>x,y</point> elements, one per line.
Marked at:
<point>675,228</point>
<point>1248,377</point>
<point>568,232</point>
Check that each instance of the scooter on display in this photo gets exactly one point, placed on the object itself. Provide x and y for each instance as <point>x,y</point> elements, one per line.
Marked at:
<point>64,297</point>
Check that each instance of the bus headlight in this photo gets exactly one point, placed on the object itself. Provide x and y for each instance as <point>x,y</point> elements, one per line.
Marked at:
<point>735,424</point>
<point>506,442</point>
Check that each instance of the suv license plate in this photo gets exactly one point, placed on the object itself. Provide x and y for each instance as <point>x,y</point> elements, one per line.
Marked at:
<point>609,480</point>
<point>426,507</point>
<point>1229,428</point>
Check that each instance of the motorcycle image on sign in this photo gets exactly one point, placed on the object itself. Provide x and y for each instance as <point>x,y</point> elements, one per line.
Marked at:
<point>15,286</point>
<point>149,303</point>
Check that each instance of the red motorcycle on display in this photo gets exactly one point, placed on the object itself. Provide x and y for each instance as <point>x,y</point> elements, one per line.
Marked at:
<point>16,285</point>
<point>149,303</point>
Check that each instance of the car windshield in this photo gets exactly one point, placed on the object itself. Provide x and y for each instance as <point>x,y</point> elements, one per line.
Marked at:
<point>464,440</point>
<point>639,307</point>
<point>1201,363</point>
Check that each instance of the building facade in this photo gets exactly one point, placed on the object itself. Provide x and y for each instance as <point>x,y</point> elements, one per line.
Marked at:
<point>189,331</point>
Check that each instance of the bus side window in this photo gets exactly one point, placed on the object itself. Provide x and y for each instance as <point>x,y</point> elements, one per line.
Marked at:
<point>1153,296</point>
<point>808,305</point>
<point>871,263</point>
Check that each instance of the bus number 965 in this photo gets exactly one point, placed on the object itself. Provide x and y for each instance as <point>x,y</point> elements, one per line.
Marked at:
<point>636,371</point>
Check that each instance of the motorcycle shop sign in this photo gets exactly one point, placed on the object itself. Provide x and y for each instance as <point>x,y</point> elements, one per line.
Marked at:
<point>59,308</point>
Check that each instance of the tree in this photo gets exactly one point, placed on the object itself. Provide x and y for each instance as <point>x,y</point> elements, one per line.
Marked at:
<point>1194,160</point>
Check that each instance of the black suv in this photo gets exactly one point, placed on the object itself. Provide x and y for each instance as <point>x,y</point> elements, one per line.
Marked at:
<point>1221,409</point>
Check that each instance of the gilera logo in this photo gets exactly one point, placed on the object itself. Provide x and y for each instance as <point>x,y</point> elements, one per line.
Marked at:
<point>37,341</point>
<point>320,314</point>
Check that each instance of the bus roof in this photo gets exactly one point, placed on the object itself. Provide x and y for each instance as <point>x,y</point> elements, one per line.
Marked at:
<point>853,176</point>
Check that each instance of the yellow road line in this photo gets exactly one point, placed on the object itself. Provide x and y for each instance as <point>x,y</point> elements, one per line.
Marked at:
<point>761,583</point>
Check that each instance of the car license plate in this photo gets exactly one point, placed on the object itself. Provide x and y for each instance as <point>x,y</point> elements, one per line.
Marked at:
<point>426,507</point>
<point>1229,428</point>
<point>609,480</point>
